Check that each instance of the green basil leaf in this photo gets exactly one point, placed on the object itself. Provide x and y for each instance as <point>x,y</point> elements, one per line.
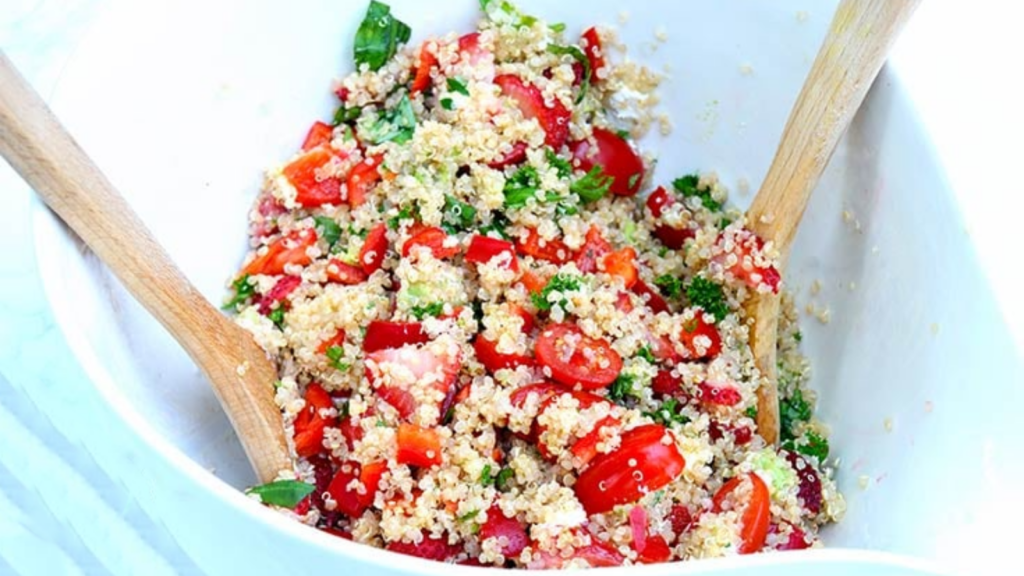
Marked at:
<point>592,186</point>
<point>379,36</point>
<point>283,493</point>
<point>457,85</point>
<point>329,230</point>
<point>396,125</point>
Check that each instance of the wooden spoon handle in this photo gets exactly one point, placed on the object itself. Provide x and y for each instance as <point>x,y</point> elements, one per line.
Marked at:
<point>853,52</point>
<point>41,150</point>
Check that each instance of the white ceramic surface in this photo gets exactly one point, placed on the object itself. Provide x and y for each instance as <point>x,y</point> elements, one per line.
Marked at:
<point>184,112</point>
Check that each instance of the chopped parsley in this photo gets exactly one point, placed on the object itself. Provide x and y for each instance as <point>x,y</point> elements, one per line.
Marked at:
<point>499,480</point>
<point>523,185</point>
<point>328,229</point>
<point>406,213</point>
<point>811,445</point>
<point>243,292</point>
<point>379,36</point>
<point>688,187</point>
<point>798,336</point>
<point>670,285</point>
<point>669,413</point>
<point>708,296</point>
<point>560,283</point>
<point>624,134</point>
<point>751,412</point>
<point>623,387</point>
<point>458,86</point>
<point>433,309</point>
<point>283,493</point>
<point>579,56</point>
<point>592,186</point>
<point>395,125</point>
<point>562,166</point>
<point>469,516</point>
<point>447,104</point>
<point>277,317</point>
<point>499,222</point>
<point>647,355</point>
<point>792,410</point>
<point>457,215</point>
<point>334,355</point>
<point>557,27</point>
<point>344,114</point>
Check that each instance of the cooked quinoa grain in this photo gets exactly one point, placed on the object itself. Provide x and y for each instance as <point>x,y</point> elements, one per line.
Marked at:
<point>498,341</point>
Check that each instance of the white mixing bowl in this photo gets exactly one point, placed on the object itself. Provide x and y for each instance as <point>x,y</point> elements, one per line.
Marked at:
<point>184,103</point>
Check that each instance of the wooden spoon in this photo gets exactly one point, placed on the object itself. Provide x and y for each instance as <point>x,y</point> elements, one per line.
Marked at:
<point>853,52</point>
<point>46,156</point>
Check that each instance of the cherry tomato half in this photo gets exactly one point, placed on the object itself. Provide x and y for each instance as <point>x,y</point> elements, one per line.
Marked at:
<point>756,510</point>
<point>575,358</point>
<point>615,157</point>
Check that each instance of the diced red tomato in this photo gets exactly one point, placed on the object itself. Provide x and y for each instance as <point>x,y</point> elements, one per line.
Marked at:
<point>810,483</point>
<point>663,349</point>
<point>593,50</point>
<point>697,327</point>
<point>290,249</point>
<point>418,446</point>
<point>756,512</point>
<point>514,157</point>
<point>370,476</point>
<point>554,119</point>
<point>427,62</point>
<point>719,394</point>
<point>319,134</point>
<point>673,238</point>
<point>469,47</point>
<point>498,526</point>
<point>622,263</point>
<point>656,551</point>
<point>305,173</point>
<point>747,248</point>
<point>616,158</point>
<point>347,498</point>
<point>381,335</point>
<point>362,177</point>
<point>654,300</point>
<point>375,248</point>
<point>600,554</point>
<point>680,519</point>
<point>585,400</point>
<point>642,464</point>
<point>419,364</point>
<point>528,321</point>
<point>577,359</point>
<point>594,250</point>
<point>278,293</point>
<point>483,248</point>
<point>551,250</point>
<point>310,440</point>
<point>532,282</point>
<point>797,538</point>
<point>658,200</point>
<point>341,273</point>
<point>309,425</point>
<point>437,549</point>
<point>433,238</point>
<point>488,355</point>
<point>400,399</point>
<point>585,449</point>
<point>638,526</point>
<point>665,384</point>
<point>542,390</point>
<point>351,431</point>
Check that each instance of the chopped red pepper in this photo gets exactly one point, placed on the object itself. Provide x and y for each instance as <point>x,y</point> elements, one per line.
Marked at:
<point>418,446</point>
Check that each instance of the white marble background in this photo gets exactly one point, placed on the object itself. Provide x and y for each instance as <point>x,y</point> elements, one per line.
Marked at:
<point>80,494</point>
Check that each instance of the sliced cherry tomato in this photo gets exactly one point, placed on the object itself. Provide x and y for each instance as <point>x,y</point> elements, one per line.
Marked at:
<point>673,238</point>
<point>594,250</point>
<point>469,47</point>
<point>514,157</point>
<point>680,519</point>
<point>421,366</point>
<point>554,119</point>
<point>616,158</point>
<point>437,549</point>
<point>593,50</point>
<point>656,551</point>
<point>427,62</point>
<point>577,359</point>
<point>651,296</point>
<point>347,498</point>
<point>381,335</point>
<point>418,446</point>
<point>622,263</point>
<point>362,177</point>
<point>584,399</point>
<point>433,238</point>
<point>756,512</point>
<point>551,250</point>
<point>319,134</point>
<point>341,273</point>
<point>585,449</point>
<point>488,355</point>
<point>643,463</point>
<point>698,327</point>
<point>658,200</point>
<point>511,529</point>
<point>290,249</point>
<point>541,389</point>
<point>484,248</point>
<point>311,188</point>
<point>375,248</point>
<point>719,394</point>
<point>278,293</point>
<point>748,248</point>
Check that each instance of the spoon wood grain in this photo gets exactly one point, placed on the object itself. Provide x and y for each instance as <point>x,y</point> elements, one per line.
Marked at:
<point>46,156</point>
<point>860,36</point>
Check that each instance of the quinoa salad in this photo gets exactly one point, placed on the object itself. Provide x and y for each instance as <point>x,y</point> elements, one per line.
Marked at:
<point>500,342</point>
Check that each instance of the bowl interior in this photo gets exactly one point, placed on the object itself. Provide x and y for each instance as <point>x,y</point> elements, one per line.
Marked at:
<point>184,122</point>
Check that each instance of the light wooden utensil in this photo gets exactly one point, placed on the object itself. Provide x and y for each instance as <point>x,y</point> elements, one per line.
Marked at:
<point>853,52</point>
<point>46,156</point>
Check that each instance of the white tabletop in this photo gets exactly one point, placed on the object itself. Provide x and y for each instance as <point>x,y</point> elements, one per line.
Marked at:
<point>81,494</point>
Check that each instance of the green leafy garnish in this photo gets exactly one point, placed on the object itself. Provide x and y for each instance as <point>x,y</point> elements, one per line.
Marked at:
<point>395,125</point>
<point>243,292</point>
<point>469,516</point>
<point>751,412</point>
<point>406,213</point>
<point>624,134</point>
<point>562,166</point>
<point>647,355</point>
<point>379,36</point>
<point>577,54</point>
<point>344,114</point>
<point>447,104</point>
<point>499,223</point>
<point>328,229</point>
<point>557,27</point>
<point>670,285</point>
<point>669,413</point>
<point>434,309</point>
<point>283,493</point>
<point>708,296</point>
<point>633,179</point>
<point>623,387</point>
<point>560,283</point>
<point>458,85</point>
<point>334,355</point>
<point>811,445</point>
<point>499,480</point>
<point>457,216</point>
<point>688,187</point>
<point>592,186</point>
<point>792,410</point>
<point>277,317</point>
<point>523,185</point>
<point>798,336</point>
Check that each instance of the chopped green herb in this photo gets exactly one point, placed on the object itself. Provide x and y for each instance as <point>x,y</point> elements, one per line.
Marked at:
<point>561,165</point>
<point>560,283</point>
<point>624,134</point>
<point>662,252</point>
<point>557,27</point>
<point>669,413</point>
<point>633,179</point>
<point>334,355</point>
<point>592,186</point>
<point>344,114</point>
<point>501,480</point>
<point>329,230</point>
<point>486,479</point>
<point>379,36</point>
<point>458,86</point>
<point>622,387</point>
<point>647,355</point>
<point>708,296</point>
<point>381,423</point>
<point>243,292</point>
<point>396,125</point>
<point>469,516</point>
<point>792,410</point>
<point>277,317</point>
<point>670,285</point>
<point>458,215</point>
<point>688,187</point>
<point>499,223</point>
<point>433,309</point>
<point>523,185</point>
<point>447,104</point>
<point>283,493</point>
<point>360,233</point>
<point>565,208</point>
<point>798,336</point>
<point>811,445</point>
<point>406,213</point>
<point>577,54</point>
<point>751,412</point>
<point>723,223</point>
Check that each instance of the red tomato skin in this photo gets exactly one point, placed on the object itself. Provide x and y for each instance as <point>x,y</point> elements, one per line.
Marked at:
<point>657,551</point>
<point>432,238</point>
<point>594,51</point>
<point>616,158</point>
<point>673,238</point>
<point>278,293</point>
<point>310,191</point>
<point>361,178</point>
<point>658,200</point>
<point>348,501</point>
<point>554,119</point>
<point>437,549</point>
<point>622,263</point>
<point>593,251</point>
<point>382,334</point>
<point>374,249</point>
<point>497,525</point>
<point>483,248</point>
<point>290,249</point>
<point>488,355</point>
<point>651,296</point>
<point>319,134</point>
<point>719,395</point>
<point>589,374</point>
<point>427,62</point>
<point>554,251</point>
<point>418,446</point>
<point>756,515</point>
<point>695,327</point>
<point>340,272</point>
